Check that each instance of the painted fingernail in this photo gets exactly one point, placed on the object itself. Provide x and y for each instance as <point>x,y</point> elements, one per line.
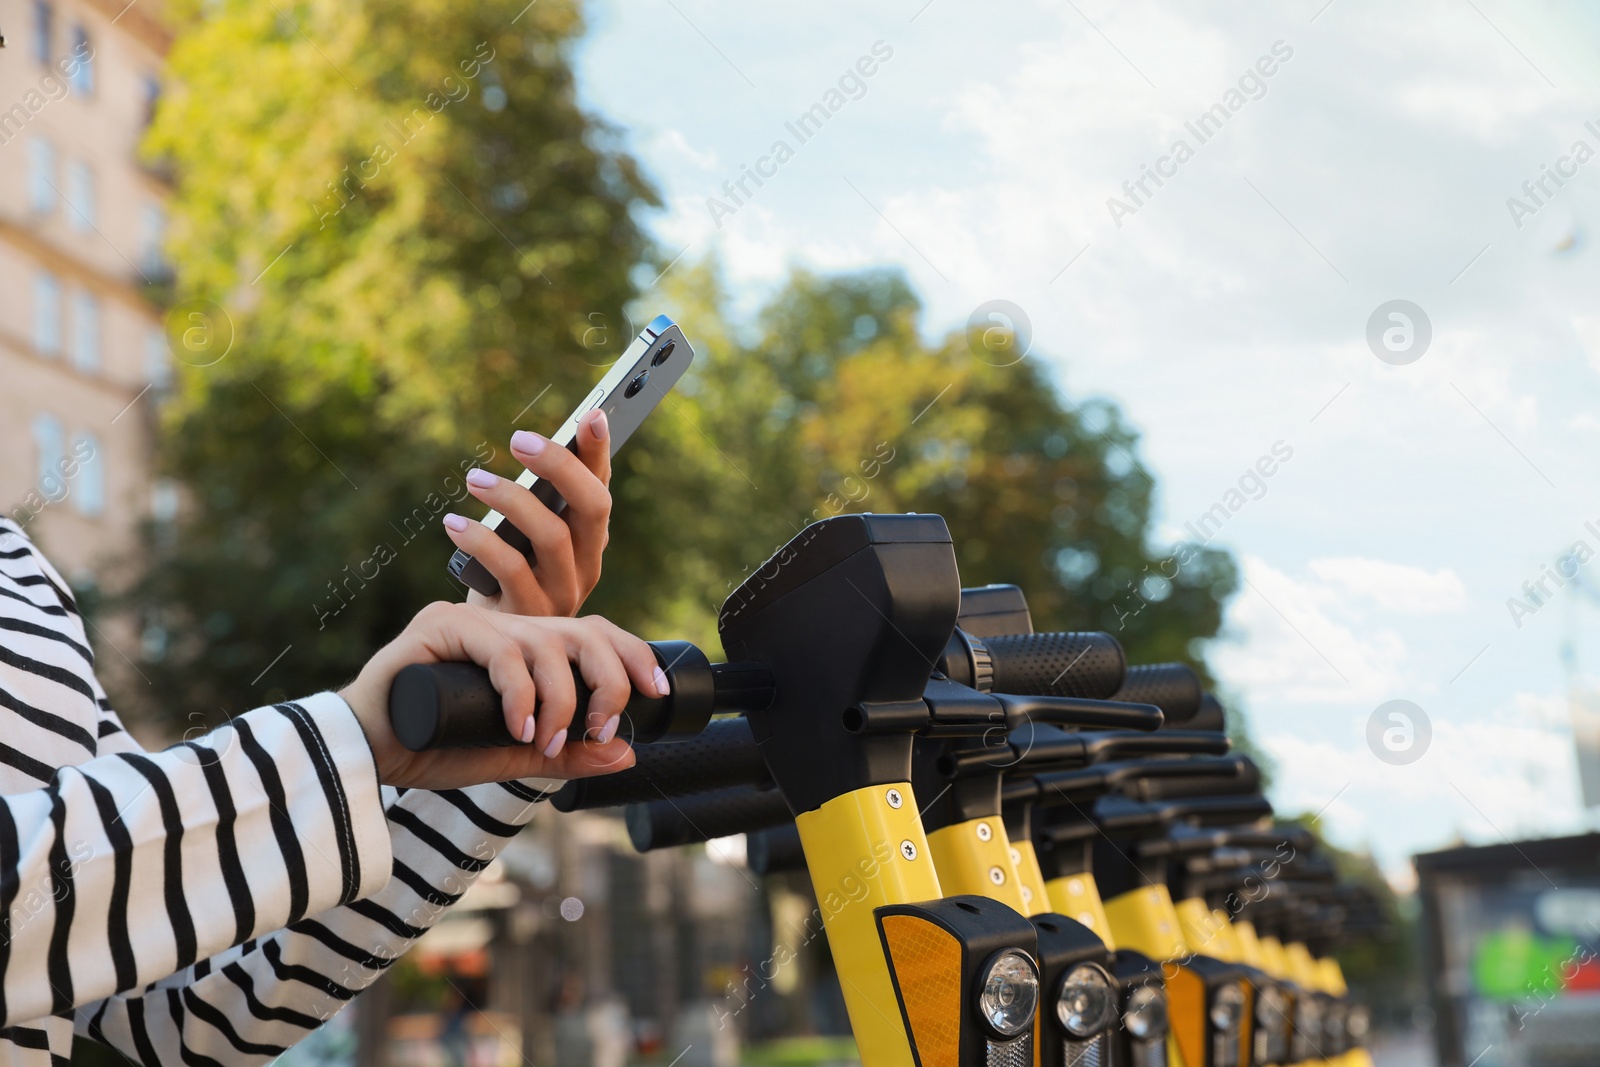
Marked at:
<point>599,426</point>
<point>553,749</point>
<point>609,730</point>
<point>663,687</point>
<point>455,522</point>
<point>528,443</point>
<point>480,478</point>
<point>527,730</point>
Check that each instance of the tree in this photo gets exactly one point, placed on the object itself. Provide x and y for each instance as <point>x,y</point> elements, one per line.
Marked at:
<point>834,403</point>
<point>410,224</point>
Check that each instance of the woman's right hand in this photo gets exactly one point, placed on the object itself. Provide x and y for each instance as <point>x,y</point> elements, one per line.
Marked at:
<point>527,659</point>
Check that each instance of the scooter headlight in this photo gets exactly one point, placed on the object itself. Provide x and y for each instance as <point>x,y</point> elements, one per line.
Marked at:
<point>1008,997</point>
<point>1086,1004</point>
<point>1272,1007</point>
<point>1146,1013</point>
<point>1227,1007</point>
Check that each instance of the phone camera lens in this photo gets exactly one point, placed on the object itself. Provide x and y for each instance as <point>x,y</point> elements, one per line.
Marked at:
<point>637,384</point>
<point>661,356</point>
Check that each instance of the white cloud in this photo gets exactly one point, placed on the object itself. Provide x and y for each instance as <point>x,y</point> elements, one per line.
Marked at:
<point>1393,586</point>
<point>1587,327</point>
<point>673,141</point>
<point>1484,781</point>
<point>1294,641</point>
<point>1486,111</point>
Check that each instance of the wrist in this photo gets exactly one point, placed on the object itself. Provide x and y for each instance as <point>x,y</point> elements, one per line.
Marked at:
<point>375,727</point>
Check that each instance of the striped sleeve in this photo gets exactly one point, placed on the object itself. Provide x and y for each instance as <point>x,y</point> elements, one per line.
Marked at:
<point>128,867</point>
<point>250,1003</point>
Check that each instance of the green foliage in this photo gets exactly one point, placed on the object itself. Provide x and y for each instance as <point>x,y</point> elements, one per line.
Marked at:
<point>399,303</point>
<point>835,403</point>
<point>409,221</point>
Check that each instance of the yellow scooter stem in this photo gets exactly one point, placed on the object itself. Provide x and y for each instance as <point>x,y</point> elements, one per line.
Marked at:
<point>865,849</point>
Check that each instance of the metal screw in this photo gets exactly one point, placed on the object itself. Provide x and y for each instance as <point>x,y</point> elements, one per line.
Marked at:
<point>997,876</point>
<point>894,798</point>
<point>908,850</point>
<point>1016,858</point>
<point>984,833</point>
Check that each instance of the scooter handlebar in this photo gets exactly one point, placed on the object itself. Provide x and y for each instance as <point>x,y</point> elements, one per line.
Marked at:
<point>724,754</point>
<point>1172,687</point>
<point>1066,664</point>
<point>720,813</point>
<point>455,705</point>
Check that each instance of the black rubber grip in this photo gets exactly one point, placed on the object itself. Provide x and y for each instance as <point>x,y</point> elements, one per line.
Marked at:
<point>1087,664</point>
<point>724,754</point>
<point>1172,687</point>
<point>454,705</point>
<point>705,816</point>
<point>1246,779</point>
<point>775,850</point>
<point>1209,717</point>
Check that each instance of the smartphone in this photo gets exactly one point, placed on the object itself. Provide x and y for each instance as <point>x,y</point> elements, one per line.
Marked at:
<point>631,390</point>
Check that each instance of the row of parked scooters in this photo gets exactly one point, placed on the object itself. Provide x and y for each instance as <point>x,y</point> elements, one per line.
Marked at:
<point>1023,850</point>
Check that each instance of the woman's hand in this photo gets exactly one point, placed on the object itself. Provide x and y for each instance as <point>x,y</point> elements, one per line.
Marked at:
<point>566,547</point>
<point>527,660</point>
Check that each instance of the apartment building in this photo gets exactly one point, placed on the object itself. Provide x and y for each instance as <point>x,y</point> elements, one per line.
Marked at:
<point>82,351</point>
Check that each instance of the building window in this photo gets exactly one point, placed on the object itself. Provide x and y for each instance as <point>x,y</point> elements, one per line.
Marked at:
<point>152,238</point>
<point>41,175</point>
<point>48,444</point>
<point>43,30</point>
<point>152,97</point>
<point>85,332</point>
<point>47,314</point>
<point>164,500</point>
<point>80,195</point>
<point>157,367</point>
<point>90,492</point>
<point>83,76</point>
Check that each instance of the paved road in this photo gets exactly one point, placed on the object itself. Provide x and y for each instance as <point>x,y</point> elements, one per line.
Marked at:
<point>1403,1050</point>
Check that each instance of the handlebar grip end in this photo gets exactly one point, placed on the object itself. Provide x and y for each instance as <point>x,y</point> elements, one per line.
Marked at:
<point>446,705</point>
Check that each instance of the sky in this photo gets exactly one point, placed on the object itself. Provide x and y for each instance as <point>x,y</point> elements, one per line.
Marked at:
<point>1367,153</point>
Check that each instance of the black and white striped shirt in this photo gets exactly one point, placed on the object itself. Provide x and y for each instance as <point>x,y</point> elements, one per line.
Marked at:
<point>215,902</point>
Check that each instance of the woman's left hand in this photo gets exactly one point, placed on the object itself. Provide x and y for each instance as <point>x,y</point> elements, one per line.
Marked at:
<point>566,547</point>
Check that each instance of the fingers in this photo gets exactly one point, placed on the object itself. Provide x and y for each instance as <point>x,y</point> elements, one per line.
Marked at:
<point>458,632</point>
<point>614,663</point>
<point>554,589</point>
<point>582,484</point>
<point>608,682</point>
<point>506,563</point>
<point>558,697</point>
<point>530,665</point>
<point>594,444</point>
<point>636,655</point>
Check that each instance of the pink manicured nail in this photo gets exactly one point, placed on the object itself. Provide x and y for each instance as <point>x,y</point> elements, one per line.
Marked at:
<point>480,478</point>
<point>663,687</point>
<point>599,427</point>
<point>527,730</point>
<point>455,522</point>
<point>553,749</point>
<point>609,730</point>
<point>528,443</point>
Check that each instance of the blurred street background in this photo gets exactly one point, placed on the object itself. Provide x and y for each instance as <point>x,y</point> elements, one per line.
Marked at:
<point>275,274</point>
